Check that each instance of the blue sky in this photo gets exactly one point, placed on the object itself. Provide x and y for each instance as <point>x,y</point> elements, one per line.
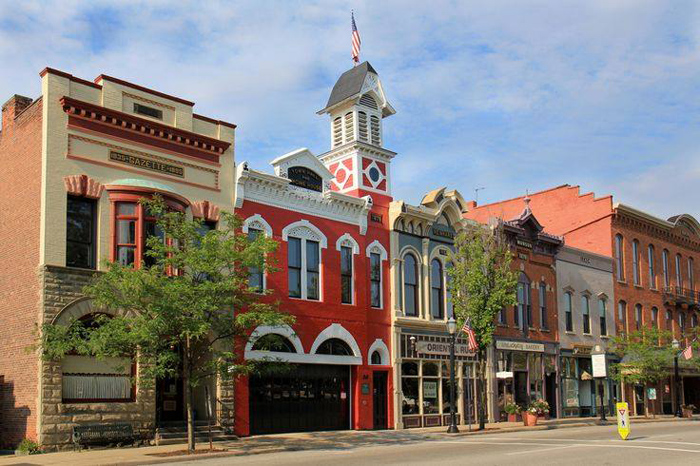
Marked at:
<point>509,96</point>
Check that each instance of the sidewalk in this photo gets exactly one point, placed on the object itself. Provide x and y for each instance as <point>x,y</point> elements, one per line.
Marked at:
<point>338,440</point>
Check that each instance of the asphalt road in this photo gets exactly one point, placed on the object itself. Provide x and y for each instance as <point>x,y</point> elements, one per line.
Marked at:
<point>648,444</point>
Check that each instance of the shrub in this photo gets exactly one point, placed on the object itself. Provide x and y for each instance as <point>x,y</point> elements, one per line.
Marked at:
<point>29,447</point>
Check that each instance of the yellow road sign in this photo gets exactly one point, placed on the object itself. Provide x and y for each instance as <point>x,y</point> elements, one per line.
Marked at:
<point>623,420</point>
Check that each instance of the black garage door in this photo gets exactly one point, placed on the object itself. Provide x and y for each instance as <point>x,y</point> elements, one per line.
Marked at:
<point>309,397</point>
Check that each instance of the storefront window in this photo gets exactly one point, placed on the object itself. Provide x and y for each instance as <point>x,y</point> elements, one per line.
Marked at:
<point>570,384</point>
<point>430,388</point>
<point>409,387</point>
<point>535,371</point>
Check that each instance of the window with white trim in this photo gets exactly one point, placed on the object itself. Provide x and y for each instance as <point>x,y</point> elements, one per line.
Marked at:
<point>304,244</point>
<point>346,274</point>
<point>410,285</point>
<point>376,254</point>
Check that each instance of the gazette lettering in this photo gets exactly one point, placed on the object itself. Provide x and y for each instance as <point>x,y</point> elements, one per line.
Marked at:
<point>147,164</point>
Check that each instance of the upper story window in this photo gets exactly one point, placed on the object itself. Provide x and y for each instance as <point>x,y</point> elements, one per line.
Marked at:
<point>255,273</point>
<point>619,257</point>
<point>254,226</point>
<point>569,311</point>
<point>622,315</point>
<point>376,254</point>
<point>602,314</point>
<point>664,264</point>
<point>694,320</point>
<point>635,263</point>
<point>638,316</point>
<point>148,111</point>
<point>652,272</point>
<point>669,321</point>
<point>691,276</point>
<point>543,305</point>
<point>523,311</point>
<point>410,285</point>
<point>681,322</point>
<point>436,290</point>
<point>655,317</point>
<point>134,225</point>
<point>679,272</point>
<point>81,232</point>
<point>586,313</point>
<point>304,244</point>
<point>346,274</point>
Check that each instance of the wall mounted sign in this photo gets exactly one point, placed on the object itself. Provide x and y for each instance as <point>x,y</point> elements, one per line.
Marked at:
<point>375,217</point>
<point>365,389</point>
<point>443,233</point>
<point>582,349</point>
<point>523,243</point>
<point>519,346</point>
<point>436,347</point>
<point>504,375</point>
<point>148,164</point>
<point>305,178</point>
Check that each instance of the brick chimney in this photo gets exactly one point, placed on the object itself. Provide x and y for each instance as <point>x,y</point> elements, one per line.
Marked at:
<point>14,107</point>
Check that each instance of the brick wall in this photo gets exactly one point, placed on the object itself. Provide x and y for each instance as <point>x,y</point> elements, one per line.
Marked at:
<point>20,190</point>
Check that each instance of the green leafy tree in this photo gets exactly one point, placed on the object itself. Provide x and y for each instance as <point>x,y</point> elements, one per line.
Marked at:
<point>646,357</point>
<point>481,284</point>
<point>185,314</point>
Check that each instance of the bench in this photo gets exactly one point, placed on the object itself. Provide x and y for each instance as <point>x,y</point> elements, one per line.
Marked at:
<point>103,434</point>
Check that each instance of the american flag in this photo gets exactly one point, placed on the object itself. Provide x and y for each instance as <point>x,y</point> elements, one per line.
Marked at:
<point>469,332</point>
<point>688,352</point>
<point>355,40</point>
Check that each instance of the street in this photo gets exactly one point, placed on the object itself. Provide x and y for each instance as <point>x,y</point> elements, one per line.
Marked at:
<point>650,444</point>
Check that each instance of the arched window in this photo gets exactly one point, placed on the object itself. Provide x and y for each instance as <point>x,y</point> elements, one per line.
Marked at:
<point>691,277</point>
<point>274,342</point>
<point>622,315</point>
<point>635,263</point>
<point>349,130</point>
<point>334,347</point>
<point>523,311</point>
<point>664,263</point>
<point>679,272</point>
<point>410,285</point>
<point>602,313</point>
<point>669,321</point>
<point>681,322</point>
<point>362,126</point>
<point>619,257</point>
<point>638,316</point>
<point>543,305</point>
<point>654,317</point>
<point>586,313</point>
<point>569,311</point>
<point>652,272</point>
<point>376,358</point>
<point>694,320</point>
<point>437,305</point>
<point>337,132</point>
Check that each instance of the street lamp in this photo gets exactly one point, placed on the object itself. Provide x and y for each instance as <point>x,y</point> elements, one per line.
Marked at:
<point>452,330</point>
<point>676,346</point>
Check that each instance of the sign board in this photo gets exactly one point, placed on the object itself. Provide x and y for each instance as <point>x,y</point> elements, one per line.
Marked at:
<point>436,347</point>
<point>148,164</point>
<point>365,389</point>
<point>504,375</point>
<point>651,393</point>
<point>623,420</point>
<point>582,349</point>
<point>519,346</point>
<point>599,367</point>
<point>429,389</point>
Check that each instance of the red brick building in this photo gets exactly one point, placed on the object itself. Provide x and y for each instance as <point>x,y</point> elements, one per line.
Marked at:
<point>330,217</point>
<point>523,360</point>
<point>654,267</point>
<point>75,162</point>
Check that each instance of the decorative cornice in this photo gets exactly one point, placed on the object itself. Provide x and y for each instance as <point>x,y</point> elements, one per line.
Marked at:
<point>142,126</point>
<point>205,210</point>
<point>357,146</point>
<point>83,185</point>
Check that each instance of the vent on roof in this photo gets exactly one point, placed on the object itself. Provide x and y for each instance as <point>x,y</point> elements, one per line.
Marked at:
<point>362,126</point>
<point>337,132</point>
<point>349,130</point>
<point>368,101</point>
<point>376,133</point>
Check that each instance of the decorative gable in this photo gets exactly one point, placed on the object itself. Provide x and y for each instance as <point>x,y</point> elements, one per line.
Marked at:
<point>303,169</point>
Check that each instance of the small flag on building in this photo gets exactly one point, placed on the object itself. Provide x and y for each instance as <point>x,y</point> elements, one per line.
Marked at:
<point>471,336</point>
<point>688,352</point>
<point>355,40</point>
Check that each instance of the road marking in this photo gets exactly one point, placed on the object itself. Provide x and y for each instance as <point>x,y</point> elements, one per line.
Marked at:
<point>628,444</point>
<point>546,449</point>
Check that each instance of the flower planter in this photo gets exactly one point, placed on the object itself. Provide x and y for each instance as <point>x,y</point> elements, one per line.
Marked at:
<point>529,419</point>
<point>514,418</point>
<point>687,413</point>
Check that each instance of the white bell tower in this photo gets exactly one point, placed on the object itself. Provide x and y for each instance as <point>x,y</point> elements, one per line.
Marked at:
<point>357,159</point>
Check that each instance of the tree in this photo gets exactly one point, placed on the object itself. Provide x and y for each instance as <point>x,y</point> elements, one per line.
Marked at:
<point>184,314</point>
<point>481,285</point>
<point>646,357</point>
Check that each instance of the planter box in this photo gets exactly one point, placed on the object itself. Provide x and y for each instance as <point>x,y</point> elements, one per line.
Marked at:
<point>514,418</point>
<point>529,419</point>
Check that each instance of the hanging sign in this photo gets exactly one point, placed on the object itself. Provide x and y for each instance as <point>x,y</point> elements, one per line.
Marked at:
<point>651,393</point>
<point>623,420</point>
<point>599,368</point>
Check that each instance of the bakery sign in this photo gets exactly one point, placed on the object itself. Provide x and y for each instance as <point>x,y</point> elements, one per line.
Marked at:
<point>443,349</point>
<point>519,346</point>
<point>148,164</point>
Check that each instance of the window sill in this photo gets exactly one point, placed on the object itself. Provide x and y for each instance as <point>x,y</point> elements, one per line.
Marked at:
<point>588,335</point>
<point>605,337</point>
<point>570,333</point>
<point>306,299</point>
<point>639,287</point>
<point>622,282</point>
<point>545,330</point>
<point>656,290</point>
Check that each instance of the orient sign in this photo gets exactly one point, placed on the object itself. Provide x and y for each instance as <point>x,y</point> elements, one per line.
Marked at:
<point>148,164</point>
<point>519,346</point>
<point>434,347</point>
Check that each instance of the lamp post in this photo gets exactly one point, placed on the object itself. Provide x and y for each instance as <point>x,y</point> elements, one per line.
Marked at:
<point>677,382</point>
<point>452,330</point>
